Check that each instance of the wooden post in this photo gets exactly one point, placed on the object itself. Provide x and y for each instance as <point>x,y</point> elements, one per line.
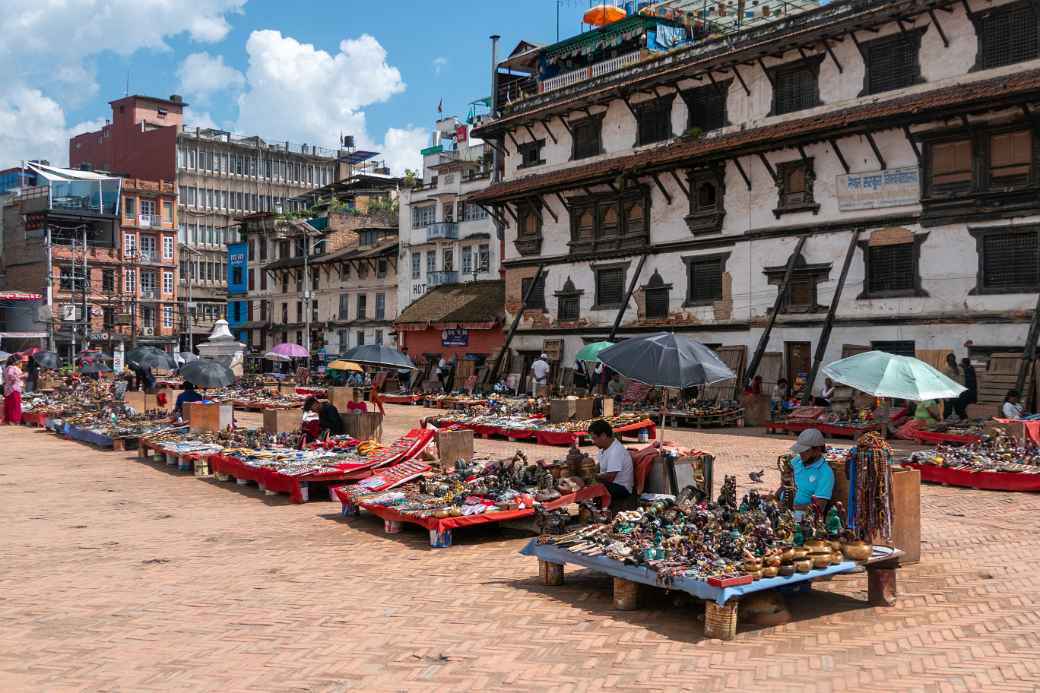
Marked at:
<point>493,376</point>
<point>626,595</point>
<point>628,297</point>
<point>551,573</point>
<point>881,586</point>
<point>1030,351</point>
<point>764,339</point>
<point>828,324</point>
<point>721,621</point>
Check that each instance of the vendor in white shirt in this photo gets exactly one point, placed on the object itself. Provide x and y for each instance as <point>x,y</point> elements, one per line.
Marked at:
<point>615,462</point>
<point>540,372</point>
<point>1011,409</point>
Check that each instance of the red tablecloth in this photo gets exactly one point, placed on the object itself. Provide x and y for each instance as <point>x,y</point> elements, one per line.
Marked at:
<point>549,437</point>
<point>441,524</point>
<point>33,419</point>
<point>936,437</point>
<point>1032,428</point>
<point>824,428</point>
<point>316,391</point>
<point>400,399</point>
<point>990,481</point>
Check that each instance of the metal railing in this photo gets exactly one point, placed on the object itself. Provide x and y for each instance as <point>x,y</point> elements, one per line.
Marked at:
<point>148,220</point>
<point>442,230</point>
<point>441,278</point>
<point>599,69</point>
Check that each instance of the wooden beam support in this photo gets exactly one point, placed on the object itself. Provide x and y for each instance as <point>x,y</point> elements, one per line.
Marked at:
<point>513,140</point>
<point>965,122</point>
<point>661,187</point>
<point>874,148</point>
<point>534,138</point>
<point>566,126</point>
<point>740,78</point>
<point>763,341</point>
<point>828,324</point>
<point>859,46</point>
<point>913,144</point>
<point>837,152</point>
<point>743,173</point>
<point>563,202</point>
<point>1029,354</point>
<point>711,78</point>
<point>765,70</point>
<point>628,297</point>
<point>899,22</point>
<point>505,205</point>
<point>967,10</point>
<point>493,375</point>
<point>769,167</point>
<point>801,52</point>
<point>830,52</point>
<point>545,124</point>
<point>548,209</point>
<point>938,28</point>
<point>801,153</point>
<point>678,181</point>
<point>630,107</point>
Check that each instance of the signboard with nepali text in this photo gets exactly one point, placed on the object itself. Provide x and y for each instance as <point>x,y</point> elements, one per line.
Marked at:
<point>892,187</point>
<point>457,337</point>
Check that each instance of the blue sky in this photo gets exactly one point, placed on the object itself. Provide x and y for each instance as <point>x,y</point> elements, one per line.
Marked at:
<point>301,71</point>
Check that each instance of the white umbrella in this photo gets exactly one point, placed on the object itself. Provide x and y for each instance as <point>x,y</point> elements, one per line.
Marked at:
<point>881,374</point>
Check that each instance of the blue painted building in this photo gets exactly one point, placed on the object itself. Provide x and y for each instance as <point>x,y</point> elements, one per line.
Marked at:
<point>238,291</point>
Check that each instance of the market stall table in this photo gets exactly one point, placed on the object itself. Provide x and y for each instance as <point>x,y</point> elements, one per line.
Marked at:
<point>543,436</point>
<point>722,598</point>
<point>441,528</point>
<point>939,437</point>
<point>988,480</point>
<point>834,430</point>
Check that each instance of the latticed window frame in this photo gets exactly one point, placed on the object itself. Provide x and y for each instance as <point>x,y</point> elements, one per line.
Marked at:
<point>873,51</point>
<point>1024,16</point>
<point>696,298</point>
<point>984,283</point>
<point>610,302</point>
<point>706,106</point>
<point>654,120</point>
<point>871,291</point>
<point>781,102</point>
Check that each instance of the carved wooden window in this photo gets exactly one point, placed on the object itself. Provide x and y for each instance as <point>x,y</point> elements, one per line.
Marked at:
<point>656,297</point>
<point>1009,260</point>
<point>706,106</point>
<point>706,201</point>
<point>704,278</point>
<point>537,299</point>
<point>610,286</point>
<point>585,227</point>
<point>654,120</point>
<point>1010,158</point>
<point>890,268</point>
<point>950,166</point>
<point>528,228</point>
<point>892,62</point>
<point>531,153</point>
<point>796,87</point>
<point>795,187</point>
<point>587,137</point>
<point>568,302</point>
<point>1007,35</point>
<point>635,218</point>
<point>608,221</point>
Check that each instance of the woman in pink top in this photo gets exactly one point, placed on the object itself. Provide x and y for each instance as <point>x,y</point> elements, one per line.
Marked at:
<point>13,391</point>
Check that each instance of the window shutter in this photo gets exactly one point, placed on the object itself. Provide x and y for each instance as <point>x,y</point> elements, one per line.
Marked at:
<point>657,303</point>
<point>569,307</point>
<point>1009,35</point>
<point>705,280</point>
<point>610,286</point>
<point>893,63</point>
<point>1011,259</point>
<point>892,268</point>
<point>537,299</point>
<point>1011,156</point>
<point>951,162</point>
<point>795,89</point>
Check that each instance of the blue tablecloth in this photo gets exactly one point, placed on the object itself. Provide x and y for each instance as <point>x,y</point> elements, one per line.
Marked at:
<point>87,436</point>
<point>698,588</point>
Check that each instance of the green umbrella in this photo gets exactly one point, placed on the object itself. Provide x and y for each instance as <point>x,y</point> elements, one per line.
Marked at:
<point>590,352</point>
<point>886,375</point>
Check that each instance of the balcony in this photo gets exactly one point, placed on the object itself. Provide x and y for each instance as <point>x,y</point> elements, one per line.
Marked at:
<point>150,294</point>
<point>148,220</point>
<point>147,258</point>
<point>440,278</point>
<point>442,231</point>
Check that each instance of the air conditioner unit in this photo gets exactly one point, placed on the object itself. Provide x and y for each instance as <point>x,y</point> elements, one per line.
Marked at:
<point>148,331</point>
<point>122,318</point>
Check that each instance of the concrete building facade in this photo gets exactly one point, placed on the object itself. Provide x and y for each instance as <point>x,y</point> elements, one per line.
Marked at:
<point>675,187</point>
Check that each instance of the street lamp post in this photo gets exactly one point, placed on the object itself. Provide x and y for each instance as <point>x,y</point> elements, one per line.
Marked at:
<point>188,307</point>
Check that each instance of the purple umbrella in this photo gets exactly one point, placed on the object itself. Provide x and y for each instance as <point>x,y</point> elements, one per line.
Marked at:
<point>293,351</point>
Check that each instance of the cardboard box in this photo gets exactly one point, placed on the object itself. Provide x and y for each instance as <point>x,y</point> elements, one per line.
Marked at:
<point>282,420</point>
<point>210,417</point>
<point>561,410</point>
<point>364,426</point>
<point>454,445</point>
<point>340,396</point>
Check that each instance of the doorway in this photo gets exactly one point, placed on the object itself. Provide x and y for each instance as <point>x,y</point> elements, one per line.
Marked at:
<point>797,362</point>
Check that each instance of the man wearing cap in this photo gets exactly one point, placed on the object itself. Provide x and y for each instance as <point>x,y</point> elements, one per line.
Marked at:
<point>813,477</point>
<point>540,373</point>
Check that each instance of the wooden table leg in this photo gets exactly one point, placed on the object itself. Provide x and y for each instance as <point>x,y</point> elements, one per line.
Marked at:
<point>721,621</point>
<point>881,586</point>
<point>551,573</point>
<point>626,594</point>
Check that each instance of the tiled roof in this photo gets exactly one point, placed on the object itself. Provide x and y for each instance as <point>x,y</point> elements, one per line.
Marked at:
<point>481,301</point>
<point>839,122</point>
<point>388,247</point>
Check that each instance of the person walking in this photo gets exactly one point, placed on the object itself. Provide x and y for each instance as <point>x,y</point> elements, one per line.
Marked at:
<point>971,394</point>
<point>13,377</point>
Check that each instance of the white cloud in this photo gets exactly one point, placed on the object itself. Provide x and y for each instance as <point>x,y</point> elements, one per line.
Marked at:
<point>48,47</point>
<point>297,92</point>
<point>202,74</point>
<point>401,148</point>
<point>32,126</point>
<point>439,63</point>
<point>199,119</point>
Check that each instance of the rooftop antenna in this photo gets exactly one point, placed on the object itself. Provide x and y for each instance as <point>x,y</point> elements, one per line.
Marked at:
<point>126,90</point>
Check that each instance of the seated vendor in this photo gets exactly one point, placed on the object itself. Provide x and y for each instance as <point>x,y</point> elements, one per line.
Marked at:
<point>813,477</point>
<point>329,420</point>
<point>189,395</point>
<point>615,463</point>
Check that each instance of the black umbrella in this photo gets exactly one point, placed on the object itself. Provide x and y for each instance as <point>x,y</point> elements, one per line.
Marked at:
<point>666,360</point>
<point>205,373</point>
<point>379,355</point>
<point>46,359</point>
<point>150,357</point>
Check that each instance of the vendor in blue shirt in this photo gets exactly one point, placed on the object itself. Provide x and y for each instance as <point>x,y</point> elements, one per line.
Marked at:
<point>813,477</point>
<point>189,395</point>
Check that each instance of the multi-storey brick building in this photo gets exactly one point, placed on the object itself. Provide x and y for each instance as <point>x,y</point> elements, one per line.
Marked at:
<point>102,250</point>
<point>665,172</point>
<point>219,176</point>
